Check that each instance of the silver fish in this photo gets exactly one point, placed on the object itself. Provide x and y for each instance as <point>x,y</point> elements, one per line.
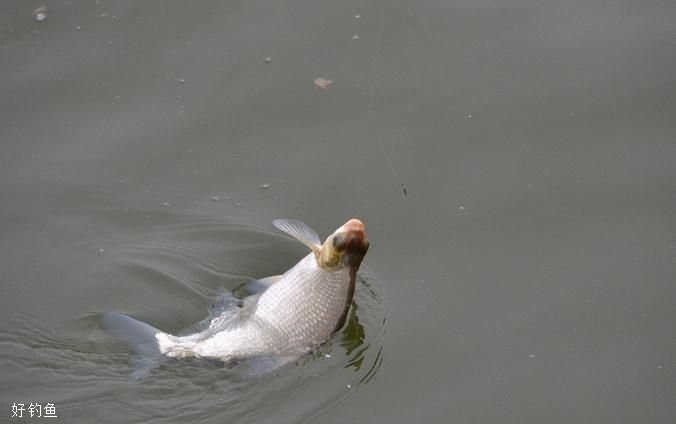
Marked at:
<point>297,311</point>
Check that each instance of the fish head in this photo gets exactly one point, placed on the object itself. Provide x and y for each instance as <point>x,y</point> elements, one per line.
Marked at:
<point>346,247</point>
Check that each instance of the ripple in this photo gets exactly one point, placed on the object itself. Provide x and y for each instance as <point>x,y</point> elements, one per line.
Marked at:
<point>164,268</point>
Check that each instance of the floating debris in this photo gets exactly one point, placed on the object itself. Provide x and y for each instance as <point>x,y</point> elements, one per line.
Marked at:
<point>101,250</point>
<point>40,14</point>
<point>77,28</point>
<point>267,60</point>
<point>264,186</point>
<point>323,83</point>
<point>215,198</point>
<point>462,208</point>
<point>239,205</point>
<point>357,16</point>
<point>531,356</point>
<point>349,386</point>
<point>403,188</point>
<point>166,204</point>
<point>181,80</point>
<point>355,36</point>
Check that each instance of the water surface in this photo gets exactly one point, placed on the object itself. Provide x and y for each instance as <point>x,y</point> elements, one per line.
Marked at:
<point>513,162</point>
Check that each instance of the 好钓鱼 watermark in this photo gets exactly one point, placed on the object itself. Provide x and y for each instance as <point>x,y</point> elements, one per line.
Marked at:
<point>33,410</point>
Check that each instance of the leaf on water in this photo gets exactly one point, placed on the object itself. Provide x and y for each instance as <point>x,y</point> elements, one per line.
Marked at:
<point>323,83</point>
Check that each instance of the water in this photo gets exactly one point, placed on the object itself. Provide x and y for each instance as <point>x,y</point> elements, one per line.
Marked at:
<point>513,162</point>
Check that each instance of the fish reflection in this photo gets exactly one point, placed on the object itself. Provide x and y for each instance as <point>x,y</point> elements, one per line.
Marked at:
<point>352,340</point>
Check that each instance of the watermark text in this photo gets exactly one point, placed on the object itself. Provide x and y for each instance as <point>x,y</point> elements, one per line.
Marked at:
<point>33,410</point>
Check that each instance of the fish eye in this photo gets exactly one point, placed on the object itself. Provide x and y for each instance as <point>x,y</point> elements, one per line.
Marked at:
<point>337,240</point>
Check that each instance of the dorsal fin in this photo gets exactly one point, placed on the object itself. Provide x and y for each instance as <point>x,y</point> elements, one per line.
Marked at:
<point>301,232</point>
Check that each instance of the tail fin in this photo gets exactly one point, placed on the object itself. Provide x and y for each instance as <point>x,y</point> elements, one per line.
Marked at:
<point>137,335</point>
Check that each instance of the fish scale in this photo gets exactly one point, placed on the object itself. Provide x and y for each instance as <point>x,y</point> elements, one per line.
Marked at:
<point>312,299</point>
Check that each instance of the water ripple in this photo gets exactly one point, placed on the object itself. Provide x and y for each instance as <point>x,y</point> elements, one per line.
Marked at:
<point>158,269</point>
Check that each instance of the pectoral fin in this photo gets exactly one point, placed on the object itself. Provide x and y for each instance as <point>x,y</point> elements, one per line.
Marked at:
<point>255,287</point>
<point>301,232</point>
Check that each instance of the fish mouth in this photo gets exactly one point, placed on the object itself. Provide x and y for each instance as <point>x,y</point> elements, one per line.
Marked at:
<point>351,240</point>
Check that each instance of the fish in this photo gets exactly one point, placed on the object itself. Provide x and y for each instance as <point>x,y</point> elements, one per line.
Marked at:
<point>288,315</point>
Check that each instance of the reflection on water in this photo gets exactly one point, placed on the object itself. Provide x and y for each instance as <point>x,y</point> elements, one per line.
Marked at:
<point>352,340</point>
<point>353,333</point>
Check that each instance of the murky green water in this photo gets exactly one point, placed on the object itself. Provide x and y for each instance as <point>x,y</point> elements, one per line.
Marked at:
<point>514,163</point>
